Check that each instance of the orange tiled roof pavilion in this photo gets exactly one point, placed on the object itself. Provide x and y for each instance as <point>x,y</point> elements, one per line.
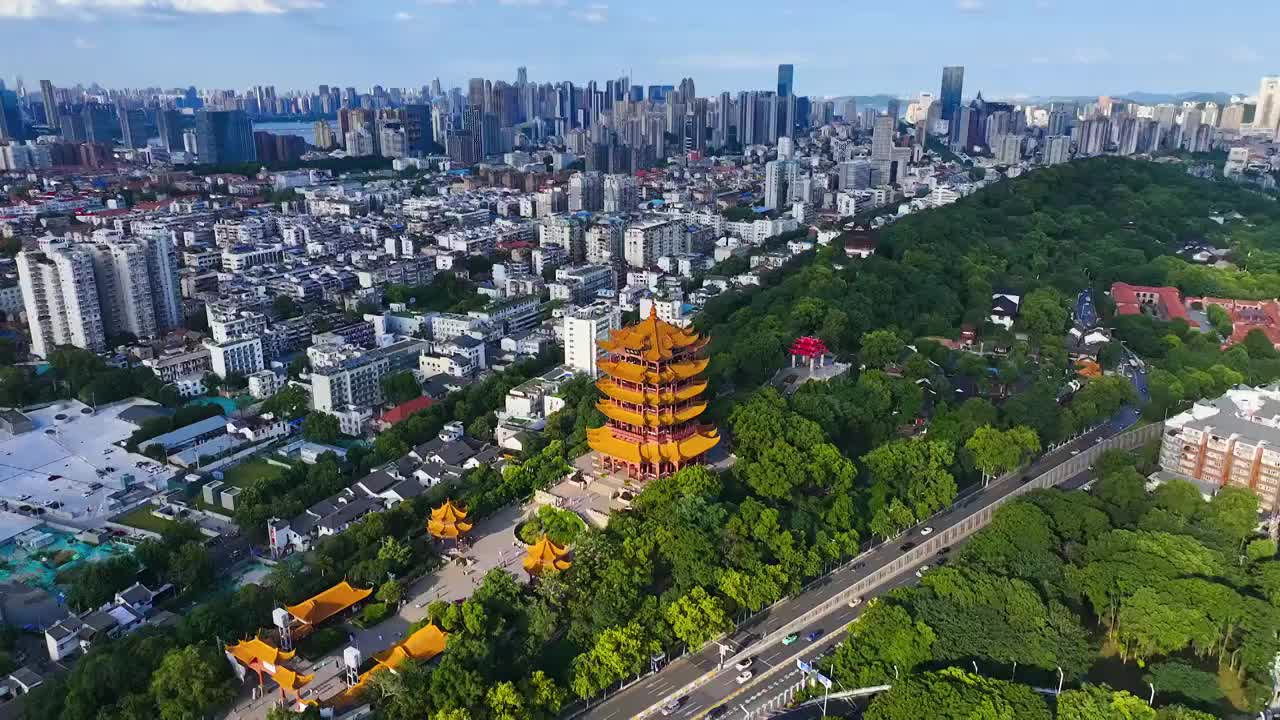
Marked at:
<point>652,389</point>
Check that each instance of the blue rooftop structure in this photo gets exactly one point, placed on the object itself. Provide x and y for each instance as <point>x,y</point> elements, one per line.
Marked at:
<point>195,432</point>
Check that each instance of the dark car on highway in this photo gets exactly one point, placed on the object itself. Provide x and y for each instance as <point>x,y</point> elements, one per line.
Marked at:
<point>906,546</point>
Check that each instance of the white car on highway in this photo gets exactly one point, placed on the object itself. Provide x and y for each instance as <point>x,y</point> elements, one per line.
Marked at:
<point>744,676</point>
<point>855,602</point>
<point>744,663</point>
<point>926,531</point>
<point>923,569</point>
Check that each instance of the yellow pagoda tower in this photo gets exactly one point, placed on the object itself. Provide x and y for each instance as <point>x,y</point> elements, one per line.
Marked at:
<point>448,521</point>
<point>652,389</point>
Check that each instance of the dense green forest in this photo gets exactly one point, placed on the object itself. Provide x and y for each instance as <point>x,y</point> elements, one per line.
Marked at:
<point>1117,586</point>
<point>1066,228</point>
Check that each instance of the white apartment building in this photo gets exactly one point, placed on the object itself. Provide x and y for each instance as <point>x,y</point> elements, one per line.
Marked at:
<point>646,241</point>
<point>264,383</point>
<point>1057,149</point>
<point>582,328</point>
<point>620,194</point>
<point>171,367</point>
<point>243,257</point>
<point>604,242</point>
<point>580,284</point>
<point>60,296</point>
<point>228,323</point>
<point>1231,440</point>
<point>244,356</point>
<point>124,289</point>
<point>446,326</point>
<point>250,231</point>
<point>563,232</point>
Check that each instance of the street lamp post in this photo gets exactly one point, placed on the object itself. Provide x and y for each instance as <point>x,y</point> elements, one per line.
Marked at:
<point>1060,677</point>
<point>1152,701</point>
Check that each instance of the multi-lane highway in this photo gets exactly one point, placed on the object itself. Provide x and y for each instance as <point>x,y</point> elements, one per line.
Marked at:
<point>700,685</point>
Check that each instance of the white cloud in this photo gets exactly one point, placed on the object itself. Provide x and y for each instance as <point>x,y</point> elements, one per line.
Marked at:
<point>971,5</point>
<point>402,16</point>
<point>83,43</point>
<point>86,9</point>
<point>595,14</point>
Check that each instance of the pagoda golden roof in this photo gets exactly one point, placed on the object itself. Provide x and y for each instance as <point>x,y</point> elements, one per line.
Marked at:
<point>652,339</point>
<point>289,681</point>
<point>328,603</point>
<point>448,521</point>
<point>621,393</point>
<point>545,555</point>
<point>664,416</point>
<point>425,643</point>
<point>672,372</point>
<point>603,440</point>
<point>256,650</point>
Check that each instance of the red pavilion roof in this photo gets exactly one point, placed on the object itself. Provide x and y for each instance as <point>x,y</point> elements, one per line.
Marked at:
<point>808,347</point>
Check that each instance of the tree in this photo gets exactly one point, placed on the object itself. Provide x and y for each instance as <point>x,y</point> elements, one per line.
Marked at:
<point>390,592</point>
<point>190,684</point>
<point>95,583</point>
<point>884,644</point>
<point>1044,313</point>
<point>299,365</point>
<point>952,694</point>
<point>1232,514</point>
<point>696,617</point>
<point>191,568</point>
<point>321,427</point>
<point>881,348</point>
<point>395,553</point>
<point>996,452</point>
<point>290,403</point>
<point>1099,702</point>
<point>400,387</point>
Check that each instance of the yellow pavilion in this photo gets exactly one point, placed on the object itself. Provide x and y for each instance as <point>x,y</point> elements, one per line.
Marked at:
<point>448,521</point>
<point>545,555</point>
<point>652,389</point>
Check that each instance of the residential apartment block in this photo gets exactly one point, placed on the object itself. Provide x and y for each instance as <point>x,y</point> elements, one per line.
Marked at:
<point>1233,440</point>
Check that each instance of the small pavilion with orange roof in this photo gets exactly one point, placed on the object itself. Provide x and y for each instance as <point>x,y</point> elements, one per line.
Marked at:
<point>448,521</point>
<point>315,610</point>
<point>268,661</point>
<point>423,645</point>
<point>545,555</point>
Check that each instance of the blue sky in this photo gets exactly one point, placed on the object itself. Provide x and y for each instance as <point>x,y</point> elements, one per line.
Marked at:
<point>1009,47</point>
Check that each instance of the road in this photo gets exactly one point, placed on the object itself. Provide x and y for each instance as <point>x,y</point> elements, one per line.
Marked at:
<point>721,684</point>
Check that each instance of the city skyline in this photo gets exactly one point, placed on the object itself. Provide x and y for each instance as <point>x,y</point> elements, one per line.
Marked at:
<point>1008,50</point>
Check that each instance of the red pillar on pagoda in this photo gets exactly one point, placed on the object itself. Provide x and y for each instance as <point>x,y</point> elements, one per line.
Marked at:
<point>809,348</point>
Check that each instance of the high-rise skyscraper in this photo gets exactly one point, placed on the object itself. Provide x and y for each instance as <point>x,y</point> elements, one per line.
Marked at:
<point>171,124</point>
<point>786,80</point>
<point>11,125</point>
<point>60,296</point>
<point>418,134</point>
<point>1267,117</point>
<point>779,175</point>
<point>224,136</point>
<point>50,105</point>
<point>952,87</point>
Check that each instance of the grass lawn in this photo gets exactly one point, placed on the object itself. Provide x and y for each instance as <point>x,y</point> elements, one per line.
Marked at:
<point>142,519</point>
<point>245,473</point>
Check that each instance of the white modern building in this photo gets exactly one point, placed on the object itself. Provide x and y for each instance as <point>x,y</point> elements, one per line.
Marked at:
<point>646,241</point>
<point>244,356</point>
<point>582,328</point>
<point>60,296</point>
